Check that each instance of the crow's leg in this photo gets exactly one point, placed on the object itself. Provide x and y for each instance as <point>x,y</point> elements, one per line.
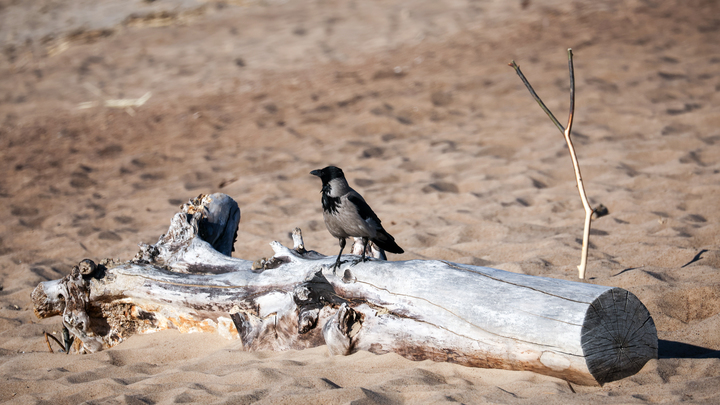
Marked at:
<point>342,246</point>
<point>365,246</point>
<point>363,257</point>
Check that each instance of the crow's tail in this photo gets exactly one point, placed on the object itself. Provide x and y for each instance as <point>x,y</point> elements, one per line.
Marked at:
<point>386,242</point>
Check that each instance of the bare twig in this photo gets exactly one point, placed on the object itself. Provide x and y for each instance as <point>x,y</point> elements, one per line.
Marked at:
<point>536,97</point>
<point>53,338</point>
<point>48,343</point>
<point>566,132</point>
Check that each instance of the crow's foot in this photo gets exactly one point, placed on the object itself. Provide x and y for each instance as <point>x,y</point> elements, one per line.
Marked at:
<point>338,263</point>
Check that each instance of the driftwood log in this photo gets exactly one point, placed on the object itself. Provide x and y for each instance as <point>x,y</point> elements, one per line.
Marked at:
<point>420,309</point>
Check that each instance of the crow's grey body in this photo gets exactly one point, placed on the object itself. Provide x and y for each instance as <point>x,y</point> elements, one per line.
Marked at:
<point>347,214</point>
<point>346,222</point>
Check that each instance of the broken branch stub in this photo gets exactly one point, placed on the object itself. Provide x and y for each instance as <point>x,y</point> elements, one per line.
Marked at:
<point>420,309</point>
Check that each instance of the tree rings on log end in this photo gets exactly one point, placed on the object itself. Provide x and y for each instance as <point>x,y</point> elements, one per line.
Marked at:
<point>618,336</point>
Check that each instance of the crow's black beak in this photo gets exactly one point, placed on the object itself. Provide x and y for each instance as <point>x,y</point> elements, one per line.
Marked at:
<point>316,173</point>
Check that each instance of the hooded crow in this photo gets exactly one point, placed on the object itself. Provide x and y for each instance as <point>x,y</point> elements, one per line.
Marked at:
<point>347,214</point>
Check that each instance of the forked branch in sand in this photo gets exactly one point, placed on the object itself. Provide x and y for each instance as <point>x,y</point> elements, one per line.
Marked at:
<point>420,309</point>
<point>566,131</point>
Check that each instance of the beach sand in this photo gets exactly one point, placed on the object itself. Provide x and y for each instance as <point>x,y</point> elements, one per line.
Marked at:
<point>415,101</point>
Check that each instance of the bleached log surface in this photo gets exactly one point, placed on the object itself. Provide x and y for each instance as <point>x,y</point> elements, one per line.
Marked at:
<point>420,309</point>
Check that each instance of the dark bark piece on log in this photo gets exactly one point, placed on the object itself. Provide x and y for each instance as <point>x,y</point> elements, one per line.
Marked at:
<point>420,309</point>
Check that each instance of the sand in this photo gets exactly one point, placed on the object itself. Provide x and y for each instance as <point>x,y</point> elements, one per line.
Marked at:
<point>415,101</point>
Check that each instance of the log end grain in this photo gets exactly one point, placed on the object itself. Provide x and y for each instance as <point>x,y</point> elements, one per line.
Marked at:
<point>618,336</point>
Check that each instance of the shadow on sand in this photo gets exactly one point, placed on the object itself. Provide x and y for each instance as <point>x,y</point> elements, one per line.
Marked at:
<point>668,349</point>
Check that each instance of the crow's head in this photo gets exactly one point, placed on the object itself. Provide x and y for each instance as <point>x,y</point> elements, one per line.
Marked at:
<point>328,174</point>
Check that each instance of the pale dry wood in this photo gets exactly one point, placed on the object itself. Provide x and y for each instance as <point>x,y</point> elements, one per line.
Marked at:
<point>420,309</point>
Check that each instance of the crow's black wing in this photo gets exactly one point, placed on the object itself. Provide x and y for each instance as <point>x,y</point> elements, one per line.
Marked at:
<point>383,239</point>
<point>363,208</point>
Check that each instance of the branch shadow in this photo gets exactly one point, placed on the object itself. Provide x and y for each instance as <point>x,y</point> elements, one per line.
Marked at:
<point>694,259</point>
<point>628,269</point>
<point>669,349</point>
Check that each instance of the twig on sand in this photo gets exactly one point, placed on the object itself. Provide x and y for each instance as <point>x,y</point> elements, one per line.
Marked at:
<point>566,132</point>
<point>48,342</point>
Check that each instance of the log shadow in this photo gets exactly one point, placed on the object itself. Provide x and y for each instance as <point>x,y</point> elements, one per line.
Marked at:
<point>669,349</point>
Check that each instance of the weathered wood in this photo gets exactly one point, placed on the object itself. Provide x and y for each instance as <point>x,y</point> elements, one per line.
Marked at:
<point>421,309</point>
<point>614,324</point>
